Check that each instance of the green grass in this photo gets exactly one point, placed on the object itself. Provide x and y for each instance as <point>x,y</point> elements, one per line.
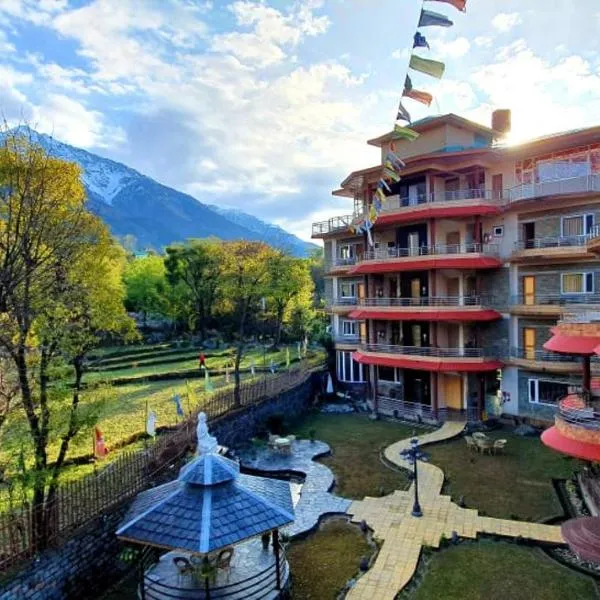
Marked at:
<point>322,563</point>
<point>356,443</point>
<point>488,570</point>
<point>516,484</point>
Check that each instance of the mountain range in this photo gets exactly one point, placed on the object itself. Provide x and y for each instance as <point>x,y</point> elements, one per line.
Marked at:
<point>156,215</point>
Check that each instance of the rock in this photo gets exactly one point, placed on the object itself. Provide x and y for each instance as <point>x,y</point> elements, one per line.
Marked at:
<point>526,430</point>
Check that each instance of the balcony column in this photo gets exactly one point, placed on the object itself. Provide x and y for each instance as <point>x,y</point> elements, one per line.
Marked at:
<point>334,255</point>
<point>434,394</point>
<point>432,232</point>
<point>587,375</point>
<point>461,289</point>
<point>373,386</point>
<point>477,230</point>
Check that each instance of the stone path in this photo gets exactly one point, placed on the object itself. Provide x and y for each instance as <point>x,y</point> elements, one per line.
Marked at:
<point>404,535</point>
<point>315,498</point>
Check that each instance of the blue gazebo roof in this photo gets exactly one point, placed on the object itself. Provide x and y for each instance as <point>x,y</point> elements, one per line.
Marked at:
<point>209,506</point>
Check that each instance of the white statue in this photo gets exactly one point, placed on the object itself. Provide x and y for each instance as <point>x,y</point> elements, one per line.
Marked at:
<point>207,444</point>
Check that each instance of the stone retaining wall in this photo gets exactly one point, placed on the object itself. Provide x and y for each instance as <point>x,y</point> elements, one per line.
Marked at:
<point>88,563</point>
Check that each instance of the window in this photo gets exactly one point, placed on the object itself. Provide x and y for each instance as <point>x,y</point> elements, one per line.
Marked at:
<point>348,251</point>
<point>349,328</point>
<point>542,391</point>
<point>498,231</point>
<point>579,225</point>
<point>348,370</point>
<point>577,283</point>
<point>387,374</point>
<point>348,289</point>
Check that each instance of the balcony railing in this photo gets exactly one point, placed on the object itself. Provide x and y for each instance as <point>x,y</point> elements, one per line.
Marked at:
<point>346,301</point>
<point>427,351</point>
<point>433,301</point>
<point>581,316</point>
<point>552,242</point>
<point>542,355</point>
<point>332,225</point>
<point>436,249</point>
<point>570,185</point>
<point>346,339</point>
<point>397,202</point>
<point>573,409</point>
<point>555,299</point>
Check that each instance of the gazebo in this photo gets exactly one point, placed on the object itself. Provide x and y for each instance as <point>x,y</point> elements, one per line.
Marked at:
<point>207,521</point>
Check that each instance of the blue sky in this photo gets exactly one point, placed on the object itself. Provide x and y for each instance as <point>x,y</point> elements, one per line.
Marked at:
<point>266,105</point>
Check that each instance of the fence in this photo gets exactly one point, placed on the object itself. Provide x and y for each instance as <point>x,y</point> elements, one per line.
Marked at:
<point>79,502</point>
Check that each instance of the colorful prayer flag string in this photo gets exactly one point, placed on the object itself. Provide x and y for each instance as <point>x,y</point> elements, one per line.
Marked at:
<point>425,65</point>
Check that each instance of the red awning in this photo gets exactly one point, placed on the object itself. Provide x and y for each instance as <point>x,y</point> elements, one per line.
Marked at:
<point>404,314</point>
<point>424,263</point>
<point>573,344</point>
<point>436,365</point>
<point>438,212</point>
<point>557,441</point>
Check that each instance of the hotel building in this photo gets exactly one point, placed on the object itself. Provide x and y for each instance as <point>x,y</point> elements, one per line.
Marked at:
<point>477,252</point>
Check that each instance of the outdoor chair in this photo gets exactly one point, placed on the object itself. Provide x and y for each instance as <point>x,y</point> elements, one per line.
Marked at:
<point>499,446</point>
<point>471,444</point>
<point>224,561</point>
<point>272,439</point>
<point>478,435</point>
<point>485,445</point>
<point>184,567</point>
<point>292,438</point>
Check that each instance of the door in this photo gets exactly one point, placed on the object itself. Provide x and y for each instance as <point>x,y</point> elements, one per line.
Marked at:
<point>529,235</point>
<point>453,242</point>
<point>361,291</point>
<point>451,188</point>
<point>415,290</point>
<point>453,395</point>
<point>413,243</point>
<point>416,335</point>
<point>453,332</point>
<point>393,287</point>
<point>529,290</point>
<point>452,288</point>
<point>497,186</point>
<point>362,326</point>
<point>529,343</point>
<point>413,195</point>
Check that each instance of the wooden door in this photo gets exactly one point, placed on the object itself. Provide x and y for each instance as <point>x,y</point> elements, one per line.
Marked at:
<point>529,343</point>
<point>361,291</point>
<point>415,289</point>
<point>363,331</point>
<point>453,242</point>
<point>453,395</point>
<point>529,290</point>
<point>497,188</point>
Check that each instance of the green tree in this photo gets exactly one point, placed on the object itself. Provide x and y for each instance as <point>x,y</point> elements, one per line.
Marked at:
<point>195,267</point>
<point>60,289</point>
<point>244,281</point>
<point>316,261</point>
<point>290,292</point>
<point>147,287</point>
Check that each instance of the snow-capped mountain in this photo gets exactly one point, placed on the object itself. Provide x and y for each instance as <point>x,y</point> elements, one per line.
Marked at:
<point>156,215</point>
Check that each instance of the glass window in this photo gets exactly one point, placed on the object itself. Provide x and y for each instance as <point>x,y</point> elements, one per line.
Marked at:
<point>579,225</point>
<point>386,373</point>
<point>542,391</point>
<point>348,290</point>
<point>348,370</point>
<point>348,327</point>
<point>577,283</point>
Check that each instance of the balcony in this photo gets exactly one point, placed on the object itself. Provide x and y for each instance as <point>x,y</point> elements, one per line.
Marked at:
<point>333,225</point>
<point>445,204</point>
<point>428,308</point>
<point>341,305</point>
<point>543,360</point>
<point>438,256</point>
<point>340,265</point>
<point>427,358</point>
<point>593,240</point>
<point>552,248</point>
<point>347,340</point>
<point>551,305</point>
<point>585,184</point>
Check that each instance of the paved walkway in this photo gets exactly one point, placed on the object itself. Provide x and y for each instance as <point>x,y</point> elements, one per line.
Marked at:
<point>315,498</point>
<point>404,535</point>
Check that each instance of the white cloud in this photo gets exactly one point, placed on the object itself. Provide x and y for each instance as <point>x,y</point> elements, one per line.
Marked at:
<point>454,48</point>
<point>483,41</point>
<point>504,22</point>
<point>401,53</point>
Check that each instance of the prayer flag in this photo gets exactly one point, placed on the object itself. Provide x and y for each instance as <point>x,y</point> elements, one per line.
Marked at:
<point>427,66</point>
<point>403,114</point>
<point>329,388</point>
<point>380,195</point>
<point>372,213</point>
<point>385,185</point>
<point>378,204</point>
<point>410,92</point>
<point>100,449</point>
<point>390,174</point>
<point>208,385</point>
<point>458,4</point>
<point>429,18</point>
<point>178,406</point>
<point>419,41</point>
<point>151,424</point>
<point>405,133</point>
<point>368,226</point>
<point>397,163</point>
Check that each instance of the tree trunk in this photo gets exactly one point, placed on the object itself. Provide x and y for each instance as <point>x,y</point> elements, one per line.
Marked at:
<point>278,327</point>
<point>238,357</point>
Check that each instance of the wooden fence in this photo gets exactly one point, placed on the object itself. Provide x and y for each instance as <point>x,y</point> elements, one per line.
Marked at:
<point>79,502</point>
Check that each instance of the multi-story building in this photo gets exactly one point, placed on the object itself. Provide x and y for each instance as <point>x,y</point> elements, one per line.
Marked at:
<point>476,253</point>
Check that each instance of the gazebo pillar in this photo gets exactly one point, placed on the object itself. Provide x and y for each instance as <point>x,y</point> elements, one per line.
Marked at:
<point>587,376</point>
<point>277,558</point>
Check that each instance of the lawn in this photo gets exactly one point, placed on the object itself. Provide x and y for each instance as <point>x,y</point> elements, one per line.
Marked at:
<point>516,484</point>
<point>322,563</point>
<point>356,443</point>
<point>490,570</point>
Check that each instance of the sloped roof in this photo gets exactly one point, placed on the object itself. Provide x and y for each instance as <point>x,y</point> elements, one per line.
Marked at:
<point>210,506</point>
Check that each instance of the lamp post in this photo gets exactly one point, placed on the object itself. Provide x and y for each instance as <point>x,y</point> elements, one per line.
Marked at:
<point>414,454</point>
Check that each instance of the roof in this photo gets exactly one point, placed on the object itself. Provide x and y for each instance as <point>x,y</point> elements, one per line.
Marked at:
<point>573,344</point>
<point>423,125</point>
<point>556,140</point>
<point>554,439</point>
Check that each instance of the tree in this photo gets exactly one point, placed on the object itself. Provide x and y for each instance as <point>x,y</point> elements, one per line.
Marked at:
<point>290,285</point>
<point>195,267</point>
<point>146,284</point>
<point>316,261</point>
<point>245,280</point>
<point>60,289</point>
